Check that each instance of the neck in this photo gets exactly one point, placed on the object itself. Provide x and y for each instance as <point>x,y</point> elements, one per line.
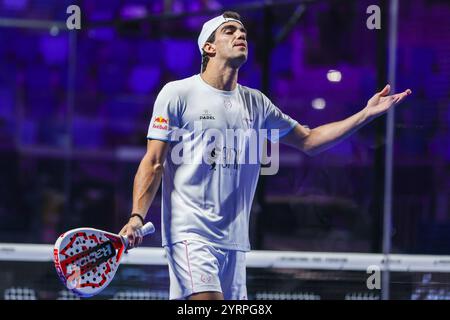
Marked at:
<point>221,77</point>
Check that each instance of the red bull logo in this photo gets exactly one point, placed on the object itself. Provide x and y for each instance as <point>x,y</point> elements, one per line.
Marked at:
<point>161,120</point>
<point>160,123</point>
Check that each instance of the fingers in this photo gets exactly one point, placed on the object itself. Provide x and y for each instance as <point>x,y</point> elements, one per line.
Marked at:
<point>385,91</point>
<point>401,96</point>
<point>134,238</point>
<point>396,98</point>
<point>405,93</point>
<point>138,236</point>
<point>399,99</point>
<point>138,241</point>
<point>123,232</point>
<point>133,235</point>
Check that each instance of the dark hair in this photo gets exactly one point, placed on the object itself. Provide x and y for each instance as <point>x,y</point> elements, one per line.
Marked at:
<point>212,37</point>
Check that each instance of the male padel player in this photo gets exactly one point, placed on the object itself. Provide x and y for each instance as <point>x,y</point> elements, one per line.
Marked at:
<point>206,204</point>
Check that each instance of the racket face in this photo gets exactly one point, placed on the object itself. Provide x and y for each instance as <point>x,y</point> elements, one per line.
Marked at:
<point>87,259</point>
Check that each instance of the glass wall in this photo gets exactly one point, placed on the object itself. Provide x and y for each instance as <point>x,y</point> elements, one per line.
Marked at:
<point>421,169</point>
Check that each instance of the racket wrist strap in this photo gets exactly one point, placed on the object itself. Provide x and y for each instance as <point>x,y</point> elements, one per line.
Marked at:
<point>139,216</point>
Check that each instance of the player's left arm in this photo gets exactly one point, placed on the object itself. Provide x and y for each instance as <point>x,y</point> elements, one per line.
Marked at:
<point>314,141</point>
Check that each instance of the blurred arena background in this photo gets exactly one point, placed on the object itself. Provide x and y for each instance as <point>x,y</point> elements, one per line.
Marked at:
<point>75,107</point>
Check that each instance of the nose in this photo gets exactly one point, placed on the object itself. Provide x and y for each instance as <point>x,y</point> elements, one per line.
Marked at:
<point>242,35</point>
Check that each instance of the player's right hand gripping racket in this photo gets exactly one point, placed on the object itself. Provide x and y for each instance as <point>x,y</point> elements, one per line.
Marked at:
<point>87,259</point>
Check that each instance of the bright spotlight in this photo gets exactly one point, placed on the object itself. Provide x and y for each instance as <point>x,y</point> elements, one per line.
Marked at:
<point>318,103</point>
<point>334,76</point>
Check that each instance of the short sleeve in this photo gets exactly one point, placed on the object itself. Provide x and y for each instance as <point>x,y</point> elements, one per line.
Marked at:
<point>165,115</point>
<point>276,119</point>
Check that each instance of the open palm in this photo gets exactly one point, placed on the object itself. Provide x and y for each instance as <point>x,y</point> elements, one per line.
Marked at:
<point>381,102</point>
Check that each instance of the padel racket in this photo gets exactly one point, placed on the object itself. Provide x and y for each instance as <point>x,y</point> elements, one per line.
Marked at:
<point>87,259</point>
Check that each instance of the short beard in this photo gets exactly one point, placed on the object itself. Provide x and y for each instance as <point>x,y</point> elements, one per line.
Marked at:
<point>238,61</point>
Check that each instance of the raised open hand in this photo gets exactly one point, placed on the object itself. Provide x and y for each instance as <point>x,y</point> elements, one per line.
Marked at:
<point>381,102</point>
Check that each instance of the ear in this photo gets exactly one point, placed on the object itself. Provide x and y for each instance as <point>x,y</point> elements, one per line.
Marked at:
<point>209,48</point>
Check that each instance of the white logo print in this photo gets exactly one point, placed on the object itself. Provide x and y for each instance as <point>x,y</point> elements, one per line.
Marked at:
<point>206,278</point>
<point>227,103</point>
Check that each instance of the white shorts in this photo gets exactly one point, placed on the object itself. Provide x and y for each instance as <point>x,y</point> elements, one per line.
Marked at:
<point>195,266</point>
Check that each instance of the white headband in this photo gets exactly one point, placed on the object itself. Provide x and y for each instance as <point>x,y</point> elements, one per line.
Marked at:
<point>209,27</point>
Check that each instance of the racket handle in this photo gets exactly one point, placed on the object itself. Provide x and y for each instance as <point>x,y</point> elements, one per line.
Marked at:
<point>148,228</point>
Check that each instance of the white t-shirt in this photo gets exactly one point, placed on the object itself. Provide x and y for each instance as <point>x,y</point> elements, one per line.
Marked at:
<point>207,196</point>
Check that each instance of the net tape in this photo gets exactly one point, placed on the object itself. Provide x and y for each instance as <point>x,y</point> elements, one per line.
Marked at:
<point>261,259</point>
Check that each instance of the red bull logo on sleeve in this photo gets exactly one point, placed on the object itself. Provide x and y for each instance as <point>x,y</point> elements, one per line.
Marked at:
<point>160,123</point>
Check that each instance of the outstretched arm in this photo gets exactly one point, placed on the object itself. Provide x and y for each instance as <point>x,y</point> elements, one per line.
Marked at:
<point>314,141</point>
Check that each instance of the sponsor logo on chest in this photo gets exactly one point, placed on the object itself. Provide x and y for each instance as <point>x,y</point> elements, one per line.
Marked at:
<point>207,116</point>
<point>227,103</point>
